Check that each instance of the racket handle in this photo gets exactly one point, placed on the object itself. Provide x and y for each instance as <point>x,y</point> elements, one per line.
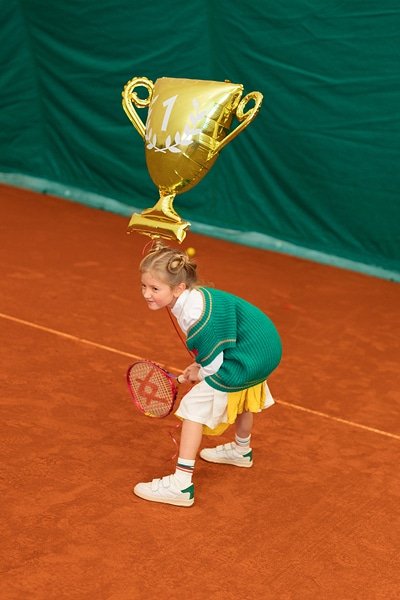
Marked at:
<point>180,379</point>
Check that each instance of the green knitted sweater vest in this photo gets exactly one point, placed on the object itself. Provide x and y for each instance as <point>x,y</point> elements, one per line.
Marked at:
<point>250,342</point>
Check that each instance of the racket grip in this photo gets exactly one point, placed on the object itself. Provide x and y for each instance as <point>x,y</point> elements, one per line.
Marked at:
<point>180,378</point>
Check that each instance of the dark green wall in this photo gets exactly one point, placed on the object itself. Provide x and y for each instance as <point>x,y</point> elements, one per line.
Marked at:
<point>318,168</point>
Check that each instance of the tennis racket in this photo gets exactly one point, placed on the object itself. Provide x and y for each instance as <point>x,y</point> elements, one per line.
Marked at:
<point>152,388</point>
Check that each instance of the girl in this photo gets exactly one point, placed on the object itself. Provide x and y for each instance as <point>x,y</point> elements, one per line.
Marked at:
<point>236,348</point>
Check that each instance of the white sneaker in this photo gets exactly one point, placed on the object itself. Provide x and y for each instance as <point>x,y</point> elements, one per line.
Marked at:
<point>227,454</point>
<point>165,490</point>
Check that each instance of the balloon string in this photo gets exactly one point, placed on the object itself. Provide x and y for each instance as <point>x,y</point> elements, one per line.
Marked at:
<point>171,435</point>
<point>191,354</point>
<point>150,243</point>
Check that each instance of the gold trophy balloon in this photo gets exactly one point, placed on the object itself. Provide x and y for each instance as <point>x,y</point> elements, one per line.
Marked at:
<point>188,123</point>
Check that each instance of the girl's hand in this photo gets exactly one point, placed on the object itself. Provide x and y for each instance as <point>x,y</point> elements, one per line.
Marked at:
<point>191,373</point>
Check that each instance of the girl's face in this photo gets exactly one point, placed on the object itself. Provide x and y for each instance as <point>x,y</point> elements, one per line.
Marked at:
<point>159,294</point>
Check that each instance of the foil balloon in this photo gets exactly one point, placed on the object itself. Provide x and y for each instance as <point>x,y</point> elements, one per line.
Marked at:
<point>188,123</point>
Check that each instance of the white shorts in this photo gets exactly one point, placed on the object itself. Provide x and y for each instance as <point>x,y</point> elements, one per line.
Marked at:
<point>203,404</point>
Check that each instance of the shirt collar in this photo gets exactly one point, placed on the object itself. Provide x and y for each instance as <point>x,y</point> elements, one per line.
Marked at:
<point>177,308</point>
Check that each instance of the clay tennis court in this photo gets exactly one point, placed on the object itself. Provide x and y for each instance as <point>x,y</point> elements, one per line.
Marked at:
<point>317,517</point>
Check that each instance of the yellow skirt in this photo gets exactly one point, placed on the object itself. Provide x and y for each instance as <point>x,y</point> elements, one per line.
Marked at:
<point>251,400</point>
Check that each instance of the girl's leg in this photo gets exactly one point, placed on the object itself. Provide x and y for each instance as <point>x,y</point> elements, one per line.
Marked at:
<point>177,488</point>
<point>191,436</point>
<point>244,424</point>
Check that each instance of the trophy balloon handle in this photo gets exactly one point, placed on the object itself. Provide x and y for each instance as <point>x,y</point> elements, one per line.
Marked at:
<point>129,97</point>
<point>244,118</point>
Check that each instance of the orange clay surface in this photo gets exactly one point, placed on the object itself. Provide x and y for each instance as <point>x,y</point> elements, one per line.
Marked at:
<point>318,515</point>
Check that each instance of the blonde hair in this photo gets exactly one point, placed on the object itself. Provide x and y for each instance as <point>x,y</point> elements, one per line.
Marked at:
<point>173,267</point>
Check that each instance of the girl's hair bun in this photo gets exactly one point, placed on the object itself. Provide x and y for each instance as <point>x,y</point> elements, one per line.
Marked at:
<point>170,265</point>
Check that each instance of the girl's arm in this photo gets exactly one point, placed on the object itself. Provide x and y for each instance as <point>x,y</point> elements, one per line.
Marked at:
<point>195,372</point>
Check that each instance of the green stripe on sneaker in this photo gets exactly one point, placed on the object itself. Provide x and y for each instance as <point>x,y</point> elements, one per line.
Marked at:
<point>189,490</point>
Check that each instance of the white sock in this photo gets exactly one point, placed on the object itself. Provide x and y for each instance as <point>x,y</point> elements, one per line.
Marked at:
<point>242,445</point>
<point>184,472</point>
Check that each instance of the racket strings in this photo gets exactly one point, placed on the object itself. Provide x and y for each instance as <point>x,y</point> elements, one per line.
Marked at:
<point>152,389</point>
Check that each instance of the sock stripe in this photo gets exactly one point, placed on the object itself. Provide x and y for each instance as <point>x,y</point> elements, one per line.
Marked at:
<point>185,468</point>
<point>242,442</point>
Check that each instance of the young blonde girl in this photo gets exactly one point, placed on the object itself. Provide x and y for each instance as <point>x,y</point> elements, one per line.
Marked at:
<point>236,347</point>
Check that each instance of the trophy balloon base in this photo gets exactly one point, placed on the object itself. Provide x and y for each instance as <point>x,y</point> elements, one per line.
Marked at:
<point>156,227</point>
<point>161,221</point>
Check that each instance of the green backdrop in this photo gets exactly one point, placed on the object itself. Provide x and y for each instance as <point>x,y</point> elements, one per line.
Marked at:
<point>317,173</point>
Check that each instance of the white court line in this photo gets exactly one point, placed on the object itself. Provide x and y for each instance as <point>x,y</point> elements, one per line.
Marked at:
<point>339,420</point>
<point>70,337</point>
<point>134,356</point>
